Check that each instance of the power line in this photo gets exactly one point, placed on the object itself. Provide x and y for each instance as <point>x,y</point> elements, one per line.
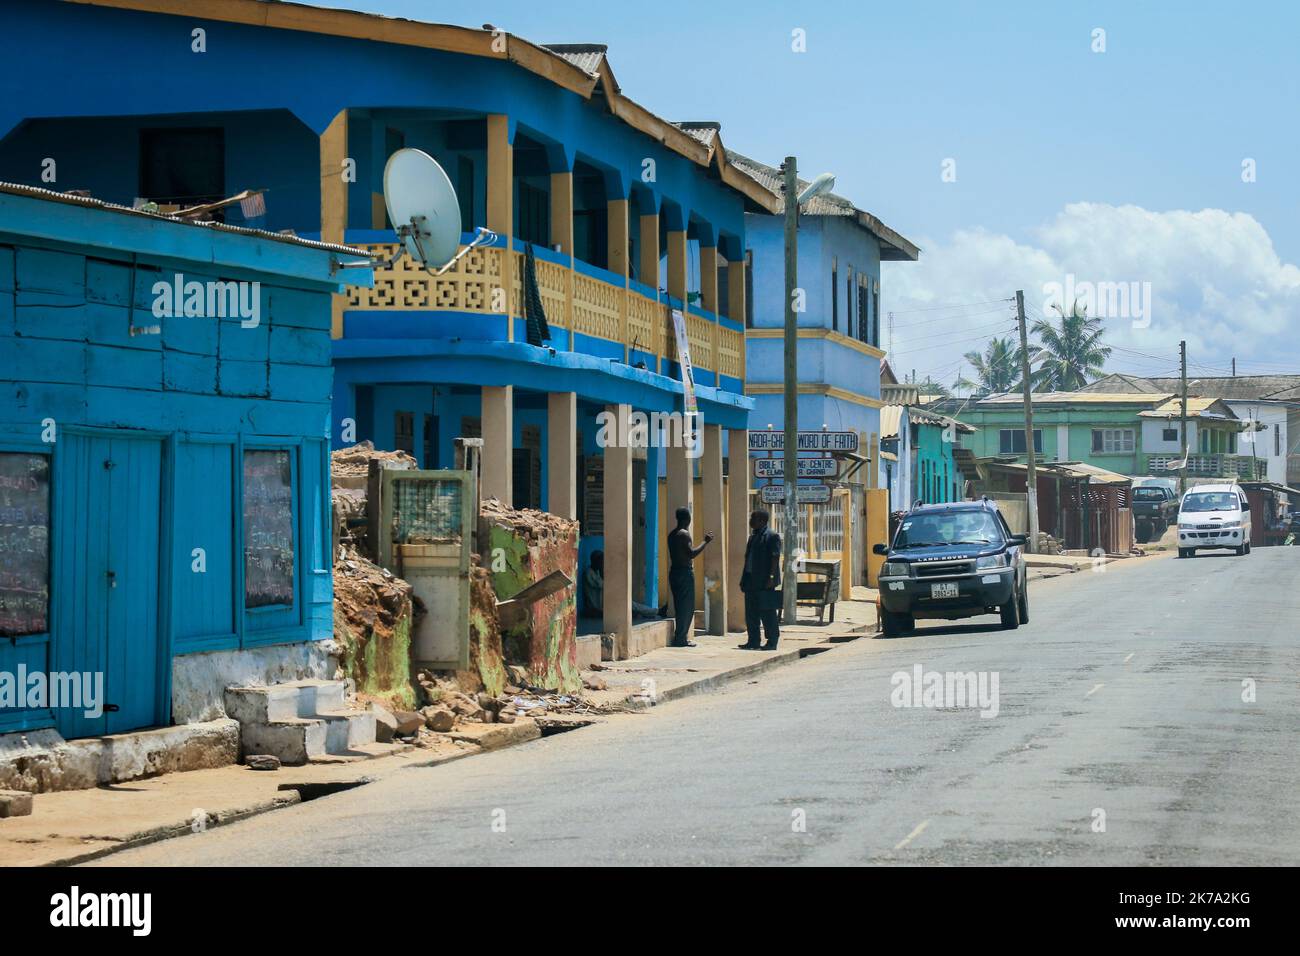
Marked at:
<point>957,305</point>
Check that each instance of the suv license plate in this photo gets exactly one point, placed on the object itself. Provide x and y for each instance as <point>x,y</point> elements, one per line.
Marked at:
<point>945,590</point>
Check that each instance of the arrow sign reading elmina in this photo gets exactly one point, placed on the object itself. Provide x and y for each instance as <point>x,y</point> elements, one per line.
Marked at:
<point>808,467</point>
<point>808,441</point>
<point>806,494</point>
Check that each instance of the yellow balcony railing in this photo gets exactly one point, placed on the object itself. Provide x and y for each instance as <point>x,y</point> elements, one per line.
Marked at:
<point>573,300</point>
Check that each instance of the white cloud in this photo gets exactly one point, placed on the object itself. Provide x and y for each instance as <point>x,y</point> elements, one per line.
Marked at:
<point>1212,277</point>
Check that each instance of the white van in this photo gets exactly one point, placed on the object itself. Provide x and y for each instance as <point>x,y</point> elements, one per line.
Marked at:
<point>1213,516</point>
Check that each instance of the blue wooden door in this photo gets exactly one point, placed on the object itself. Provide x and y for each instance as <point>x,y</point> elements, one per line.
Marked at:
<point>109,531</point>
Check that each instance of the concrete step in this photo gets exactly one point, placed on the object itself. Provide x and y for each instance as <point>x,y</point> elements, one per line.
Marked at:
<point>299,721</point>
<point>295,741</point>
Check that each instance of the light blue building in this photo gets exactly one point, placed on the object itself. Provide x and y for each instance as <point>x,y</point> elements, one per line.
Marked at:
<point>840,251</point>
<point>627,218</point>
<point>164,460</point>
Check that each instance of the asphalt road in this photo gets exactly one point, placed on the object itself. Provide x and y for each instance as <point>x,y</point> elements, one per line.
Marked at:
<point>1123,695</point>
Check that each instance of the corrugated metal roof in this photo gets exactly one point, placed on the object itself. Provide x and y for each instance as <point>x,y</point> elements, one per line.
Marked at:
<point>1197,407</point>
<point>889,416</point>
<point>829,204</point>
<point>1230,387</point>
<point>35,192</point>
<point>1076,398</point>
<point>585,56</point>
<point>706,131</point>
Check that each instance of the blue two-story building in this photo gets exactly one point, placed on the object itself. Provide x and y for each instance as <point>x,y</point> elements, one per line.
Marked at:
<point>164,464</point>
<point>839,330</point>
<point>627,218</point>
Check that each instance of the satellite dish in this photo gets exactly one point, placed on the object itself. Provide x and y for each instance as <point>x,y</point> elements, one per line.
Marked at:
<point>420,198</point>
<point>425,213</point>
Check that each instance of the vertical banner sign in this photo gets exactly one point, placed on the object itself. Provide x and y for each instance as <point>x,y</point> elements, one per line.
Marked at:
<point>268,528</point>
<point>684,360</point>
<point>24,544</point>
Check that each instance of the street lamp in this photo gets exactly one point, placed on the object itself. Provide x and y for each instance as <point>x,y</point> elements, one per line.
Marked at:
<point>822,184</point>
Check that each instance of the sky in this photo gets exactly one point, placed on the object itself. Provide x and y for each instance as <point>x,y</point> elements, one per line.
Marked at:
<point>1152,169</point>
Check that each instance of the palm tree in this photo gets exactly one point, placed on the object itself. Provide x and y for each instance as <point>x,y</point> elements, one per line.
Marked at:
<point>930,387</point>
<point>1071,352</point>
<point>998,369</point>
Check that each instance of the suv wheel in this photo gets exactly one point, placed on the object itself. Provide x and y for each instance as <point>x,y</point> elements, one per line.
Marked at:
<point>1186,552</point>
<point>1011,613</point>
<point>1024,603</point>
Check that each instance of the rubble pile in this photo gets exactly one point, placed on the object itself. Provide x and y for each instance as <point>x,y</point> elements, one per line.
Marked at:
<point>373,614</point>
<point>354,461</point>
<point>445,706</point>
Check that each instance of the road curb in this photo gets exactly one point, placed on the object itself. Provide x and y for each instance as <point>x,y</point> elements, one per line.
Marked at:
<point>714,681</point>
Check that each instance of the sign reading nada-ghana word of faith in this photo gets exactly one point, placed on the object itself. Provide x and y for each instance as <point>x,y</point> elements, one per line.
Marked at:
<point>808,467</point>
<point>774,440</point>
<point>24,544</point>
<point>268,528</point>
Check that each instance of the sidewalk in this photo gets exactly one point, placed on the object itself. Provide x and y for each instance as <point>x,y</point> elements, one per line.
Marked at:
<point>669,673</point>
<point>78,825</point>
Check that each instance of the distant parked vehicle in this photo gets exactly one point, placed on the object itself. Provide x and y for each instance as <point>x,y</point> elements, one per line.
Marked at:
<point>1155,508</point>
<point>1214,516</point>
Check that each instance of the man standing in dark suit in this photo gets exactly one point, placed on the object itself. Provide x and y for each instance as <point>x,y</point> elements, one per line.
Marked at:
<point>759,583</point>
<point>681,577</point>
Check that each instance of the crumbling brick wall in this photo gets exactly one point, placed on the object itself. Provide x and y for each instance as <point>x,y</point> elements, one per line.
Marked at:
<point>520,547</point>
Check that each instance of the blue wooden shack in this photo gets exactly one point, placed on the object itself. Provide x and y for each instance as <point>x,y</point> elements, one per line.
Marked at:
<point>164,441</point>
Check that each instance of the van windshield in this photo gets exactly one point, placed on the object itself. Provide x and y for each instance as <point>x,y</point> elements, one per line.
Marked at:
<point>948,527</point>
<point>1212,501</point>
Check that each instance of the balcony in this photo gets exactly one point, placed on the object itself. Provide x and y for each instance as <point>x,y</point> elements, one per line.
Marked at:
<point>582,300</point>
<point>1233,467</point>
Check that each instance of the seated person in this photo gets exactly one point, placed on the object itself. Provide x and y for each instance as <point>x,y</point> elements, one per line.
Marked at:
<point>593,592</point>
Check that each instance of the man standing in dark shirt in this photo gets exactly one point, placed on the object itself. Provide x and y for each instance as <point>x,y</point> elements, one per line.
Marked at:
<point>759,581</point>
<point>681,579</point>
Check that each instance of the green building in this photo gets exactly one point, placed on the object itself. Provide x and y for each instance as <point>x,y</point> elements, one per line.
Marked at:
<point>1129,433</point>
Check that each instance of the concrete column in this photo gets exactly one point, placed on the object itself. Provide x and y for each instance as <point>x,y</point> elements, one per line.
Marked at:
<point>500,176</point>
<point>736,291</point>
<point>737,523</point>
<point>648,268</point>
<point>334,200</point>
<point>500,203</point>
<point>677,266</point>
<point>711,518</point>
<point>562,454</point>
<point>618,539</point>
<point>617,232</point>
<point>498,422</point>
<point>681,482</point>
<point>709,278</point>
<point>562,211</point>
<point>654,526</point>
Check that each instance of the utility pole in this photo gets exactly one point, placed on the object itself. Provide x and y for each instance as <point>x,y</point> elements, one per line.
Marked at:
<point>1031,474</point>
<point>789,580</point>
<point>1182,361</point>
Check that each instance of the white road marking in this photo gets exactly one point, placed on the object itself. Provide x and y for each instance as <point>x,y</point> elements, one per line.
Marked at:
<point>1129,658</point>
<point>920,828</point>
<point>1094,690</point>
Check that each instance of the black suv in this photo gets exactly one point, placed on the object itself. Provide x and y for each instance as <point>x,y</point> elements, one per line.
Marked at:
<point>952,561</point>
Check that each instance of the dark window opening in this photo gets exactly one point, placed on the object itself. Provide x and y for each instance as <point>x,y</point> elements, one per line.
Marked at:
<point>404,432</point>
<point>183,167</point>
